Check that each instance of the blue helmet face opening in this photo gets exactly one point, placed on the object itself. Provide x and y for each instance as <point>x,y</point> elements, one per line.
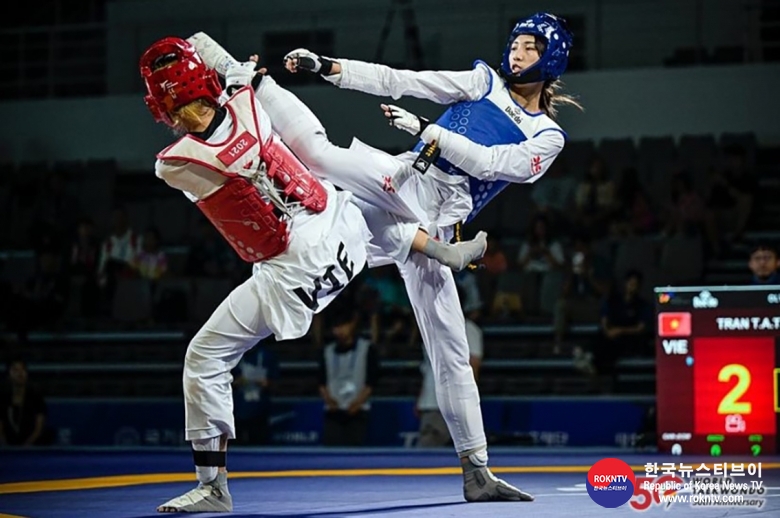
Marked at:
<point>553,61</point>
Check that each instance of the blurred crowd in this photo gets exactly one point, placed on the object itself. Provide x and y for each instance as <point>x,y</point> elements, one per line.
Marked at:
<point>587,255</point>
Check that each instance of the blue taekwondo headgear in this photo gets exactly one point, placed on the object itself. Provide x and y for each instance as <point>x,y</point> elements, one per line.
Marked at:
<point>552,63</point>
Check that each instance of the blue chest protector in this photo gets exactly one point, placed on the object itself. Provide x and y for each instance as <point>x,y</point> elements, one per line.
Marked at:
<point>495,119</point>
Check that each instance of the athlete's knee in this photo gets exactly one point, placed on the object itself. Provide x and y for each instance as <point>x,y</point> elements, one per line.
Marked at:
<point>448,369</point>
<point>195,367</point>
<point>315,150</point>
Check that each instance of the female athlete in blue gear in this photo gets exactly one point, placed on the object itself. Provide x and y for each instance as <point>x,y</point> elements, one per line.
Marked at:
<point>499,129</point>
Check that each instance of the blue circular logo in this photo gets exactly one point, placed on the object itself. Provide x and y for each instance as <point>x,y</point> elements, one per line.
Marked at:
<point>610,483</point>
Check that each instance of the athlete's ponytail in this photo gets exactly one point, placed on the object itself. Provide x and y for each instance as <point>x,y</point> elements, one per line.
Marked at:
<point>552,98</point>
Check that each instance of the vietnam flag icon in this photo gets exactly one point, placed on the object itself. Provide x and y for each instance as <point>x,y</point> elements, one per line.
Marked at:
<point>674,324</point>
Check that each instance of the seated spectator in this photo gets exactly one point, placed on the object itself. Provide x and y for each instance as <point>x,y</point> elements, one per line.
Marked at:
<point>210,255</point>
<point>555,197</point>
<point>84,255</point>
<point>56,209</point>
<point>688,216</point>
<point>253,385</point>
<point>587,282</point>
<point>46,293</point>
<point>22,410</point>
<point>595,200</point>
<point>626,321</point>
<point>151,262</point>
<point>468,290</point>
<point>494,261</point>
<point>85,250</point>
<point>764,263</point>
<point>635,213</point>
<point>492,265</point>
<point>392,314</point>
<point>118,253</point>
<point>348,375</point>
<point>540,252</point>
<point>8,300</point>
<point>732,192</point>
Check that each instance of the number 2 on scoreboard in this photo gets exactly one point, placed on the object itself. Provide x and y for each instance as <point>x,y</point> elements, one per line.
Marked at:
<point>731,403</point>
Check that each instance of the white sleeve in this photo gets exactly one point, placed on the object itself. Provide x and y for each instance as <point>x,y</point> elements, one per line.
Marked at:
<point>557,251</point>
<point>525,162</point>
<point>524,251</point>
<point>442,87</point>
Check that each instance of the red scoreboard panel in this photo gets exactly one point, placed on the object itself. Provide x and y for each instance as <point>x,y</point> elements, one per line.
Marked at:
<point>717,374</point>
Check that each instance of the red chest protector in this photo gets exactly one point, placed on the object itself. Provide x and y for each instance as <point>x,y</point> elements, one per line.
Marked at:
<point>254,221</point>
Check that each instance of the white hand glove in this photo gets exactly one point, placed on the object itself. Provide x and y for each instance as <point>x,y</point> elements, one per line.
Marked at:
<point>304,59</point>
<point>213,54</point>
<point>239,75</point>
<point>404,120</point>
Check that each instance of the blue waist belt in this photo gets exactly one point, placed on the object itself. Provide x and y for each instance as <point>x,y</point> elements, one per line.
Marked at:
<point>448,168</point>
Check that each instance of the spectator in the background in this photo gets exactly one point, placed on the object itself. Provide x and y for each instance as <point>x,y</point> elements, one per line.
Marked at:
<point>688,215</point>
<point>349,372</point>
<point>46,294</point>
<point>596,200</point>
<point>587,282</point>
<point>732,191</point>
<point>118,252</point>
<point>433,429</point>
<point>635,214</point>
<point>151,262</point>
<point>22,409</point>
<point>625,327</point>
<point>392,312</point>
<point>554,198</point>
<point>84,255</point>
<point>8,297</point>
<point>764,263</point>
<point>209,255</point>
<point>470,297</point>
<point>494,263</point>
<point>55,210</point>
<point>253,385</point>
<point>540,252</point>
<point>85,250</point>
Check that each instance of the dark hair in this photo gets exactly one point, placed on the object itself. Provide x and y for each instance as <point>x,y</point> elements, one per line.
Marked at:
<point>764,247</point>
<point>343,315</point>
<point>14,360</point>
<point>552,97</point>
<point>532,230</point>
<point>683,180</point>
<point>633,274</point>
<point>583,237</point>
<point>154,231</point>
<point>735,150</point>
<point>343,310</point>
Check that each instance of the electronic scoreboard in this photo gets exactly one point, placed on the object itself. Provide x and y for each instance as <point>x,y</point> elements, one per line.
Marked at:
<point>717,373</point>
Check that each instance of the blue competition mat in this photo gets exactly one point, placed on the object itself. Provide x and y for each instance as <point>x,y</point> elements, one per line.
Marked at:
<point>335,483</point>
